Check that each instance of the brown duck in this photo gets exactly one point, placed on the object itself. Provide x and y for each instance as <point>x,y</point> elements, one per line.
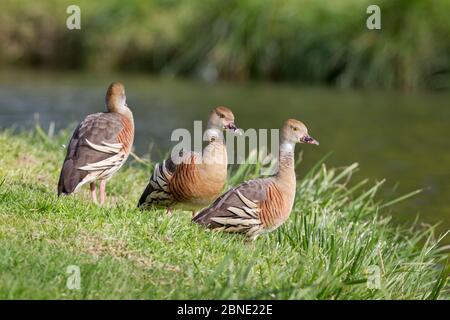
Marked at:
<point>195,180</point>
<point>260,205</point>
<point>99,146</point>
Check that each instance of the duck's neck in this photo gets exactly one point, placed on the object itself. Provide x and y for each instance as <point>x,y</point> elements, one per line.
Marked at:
<point>123,110</point>
<point>215,152</point>
<point>286,169</point>
<point>126,112</point>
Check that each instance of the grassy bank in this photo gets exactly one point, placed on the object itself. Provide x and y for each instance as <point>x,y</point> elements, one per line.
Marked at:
<point>335,236</point>
<point>315,42</point>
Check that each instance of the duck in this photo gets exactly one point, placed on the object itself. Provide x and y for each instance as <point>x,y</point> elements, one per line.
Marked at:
<point>260,205</point>
<point>99,146</point>
<point>191,180</point>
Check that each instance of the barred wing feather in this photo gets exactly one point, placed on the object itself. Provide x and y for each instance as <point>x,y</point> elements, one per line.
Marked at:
<point>238,210</point>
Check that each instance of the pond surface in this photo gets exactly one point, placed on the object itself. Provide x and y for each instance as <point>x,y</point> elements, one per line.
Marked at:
<point>404,138</point>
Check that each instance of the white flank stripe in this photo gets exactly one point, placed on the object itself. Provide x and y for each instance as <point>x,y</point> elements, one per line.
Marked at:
<point>114,145</point>
<point>161,181</point>
<point>254,230</point>
<point>252,212</point>
<point>235,229</point>
<point>238,212</point>
<point>235,221</point>
<point>245,200</point>
<point>166,173</point>
<point>106,148</point>
<point>104,164</point>
<point>154,184</point>
<point>155,172</point>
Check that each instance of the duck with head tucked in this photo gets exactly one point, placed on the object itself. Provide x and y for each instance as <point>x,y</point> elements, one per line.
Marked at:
<point>260,205</point>
<point>192,180</point>
<point>99,146</point>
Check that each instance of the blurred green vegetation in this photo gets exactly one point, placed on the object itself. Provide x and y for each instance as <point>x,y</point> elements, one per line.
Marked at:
<point>313,42</point>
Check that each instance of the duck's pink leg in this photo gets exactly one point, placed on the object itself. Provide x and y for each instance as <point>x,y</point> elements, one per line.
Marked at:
<point>169,211</point>
<point>102,191</point>
<point>93,192</point>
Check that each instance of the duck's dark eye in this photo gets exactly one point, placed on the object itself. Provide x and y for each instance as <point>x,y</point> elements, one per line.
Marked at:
<point>221,115</point>
<point>294,128</point>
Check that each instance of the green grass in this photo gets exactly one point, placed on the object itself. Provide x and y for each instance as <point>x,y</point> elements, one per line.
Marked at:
<point>335,234</point>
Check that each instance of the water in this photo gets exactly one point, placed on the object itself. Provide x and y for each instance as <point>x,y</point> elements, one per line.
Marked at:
<point>401,137</point>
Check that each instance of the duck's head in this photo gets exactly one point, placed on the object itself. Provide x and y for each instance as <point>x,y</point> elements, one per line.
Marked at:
<point>116,100</point>
<point>295,131</point>
<point>222,118</point>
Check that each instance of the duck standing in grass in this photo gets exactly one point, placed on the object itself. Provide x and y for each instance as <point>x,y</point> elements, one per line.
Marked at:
<point>195,180</point>
<point>99,146</point>
<point>260,205</point>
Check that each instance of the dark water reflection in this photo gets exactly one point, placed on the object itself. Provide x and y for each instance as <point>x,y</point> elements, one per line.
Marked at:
<point>401,137</point>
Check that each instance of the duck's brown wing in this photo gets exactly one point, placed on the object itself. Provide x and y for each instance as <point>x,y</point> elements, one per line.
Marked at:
<point>158,193</point>
<point>93,142</point>
<point>239,209</point>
